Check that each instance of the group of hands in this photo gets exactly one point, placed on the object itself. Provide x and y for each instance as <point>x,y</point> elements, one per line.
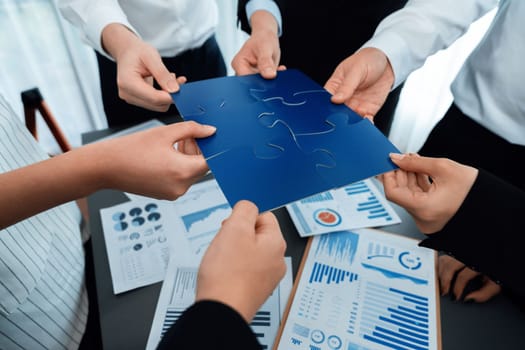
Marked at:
<point>430,189</point>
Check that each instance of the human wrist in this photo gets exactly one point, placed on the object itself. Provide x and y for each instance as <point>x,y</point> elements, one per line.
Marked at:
<point>264,21</point>
<point>116,38</point>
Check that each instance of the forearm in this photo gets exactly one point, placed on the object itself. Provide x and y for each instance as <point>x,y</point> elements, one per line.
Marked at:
<point>422,28</point>
<point>116,38</point>
<point>262,20</point>
<point>30,190</point>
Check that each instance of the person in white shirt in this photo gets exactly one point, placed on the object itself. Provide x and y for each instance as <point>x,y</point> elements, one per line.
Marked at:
<point>43,298</point>
<point>145,49</point>
<point>485,126</point>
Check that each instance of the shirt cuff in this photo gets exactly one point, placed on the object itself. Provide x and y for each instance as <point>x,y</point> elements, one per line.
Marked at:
<point>395,49</point>
<point>266,5</point>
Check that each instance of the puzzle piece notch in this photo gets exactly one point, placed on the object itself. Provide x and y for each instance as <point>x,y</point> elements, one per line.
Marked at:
<point>354,161</point>
<point>270,183</point>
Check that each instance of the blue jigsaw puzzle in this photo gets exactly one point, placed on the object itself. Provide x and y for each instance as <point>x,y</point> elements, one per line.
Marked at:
<point>281,140</point>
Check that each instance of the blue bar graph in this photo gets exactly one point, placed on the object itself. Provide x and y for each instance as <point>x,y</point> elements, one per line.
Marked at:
<point>322,273</point>
<point>172,315</point>
<point>395,318</point>
<point>321,197</point>
<point>371,204</point>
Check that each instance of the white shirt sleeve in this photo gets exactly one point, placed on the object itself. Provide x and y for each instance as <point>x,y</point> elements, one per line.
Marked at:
<point>267,5</point>
<point>420,29</point>
<point>92,16</point>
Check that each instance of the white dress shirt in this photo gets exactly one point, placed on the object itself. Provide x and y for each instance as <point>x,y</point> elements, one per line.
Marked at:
<point>171,26</point>
<point>43,300</point>
<point>489,86</point>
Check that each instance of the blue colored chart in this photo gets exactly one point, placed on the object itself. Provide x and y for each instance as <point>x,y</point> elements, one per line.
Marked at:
<point>395,318</point>
<point>371,205</point>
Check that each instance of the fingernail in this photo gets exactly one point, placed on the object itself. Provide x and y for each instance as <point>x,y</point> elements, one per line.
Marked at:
<point>397,156</point>
<point>269,71</point>
<point>338,95</point>
<point>210,127</point>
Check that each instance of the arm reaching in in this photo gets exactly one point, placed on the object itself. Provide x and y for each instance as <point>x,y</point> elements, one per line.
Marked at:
<point>362,81</point>
<point>156,169</point>
<point>138,66</point>
<point>430,202</point>
<point>245,262</point>
<point>238,272</point>
<point>261,52</point>
<point>469,214</point>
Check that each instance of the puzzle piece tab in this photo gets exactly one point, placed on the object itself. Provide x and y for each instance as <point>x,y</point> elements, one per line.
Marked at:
<point>360,150</point>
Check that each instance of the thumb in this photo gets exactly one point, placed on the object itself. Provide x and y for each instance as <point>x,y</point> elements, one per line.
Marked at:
<point>267,67</point>
<point>191,129</point>
<point>166,80</point>
<point>414,163</point>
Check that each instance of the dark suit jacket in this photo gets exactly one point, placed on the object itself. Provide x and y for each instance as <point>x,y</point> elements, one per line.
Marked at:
<point>210,325</point>
<point>318,35</point>
<point>484,233</point>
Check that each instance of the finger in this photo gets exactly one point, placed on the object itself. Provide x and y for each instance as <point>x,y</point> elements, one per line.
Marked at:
<point>166,80</point>
<point>343,90</point>
<point>462,279</point>
<point>243,66</point>
<point>188,147</point>
<point>243,217</point>
<point>189,129</point>
<point>137,91</point>
<point>396,189</point>
<point>266,67</point>
<point>447,269</point>
<point>488,290</point>
<point>418,164</point>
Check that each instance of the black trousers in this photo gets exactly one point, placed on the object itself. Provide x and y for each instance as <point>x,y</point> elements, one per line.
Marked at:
<point>201,63</point>
<point>460,138</point>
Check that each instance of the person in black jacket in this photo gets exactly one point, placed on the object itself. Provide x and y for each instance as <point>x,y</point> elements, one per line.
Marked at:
<point>315,39</point>
<point>454,210</point>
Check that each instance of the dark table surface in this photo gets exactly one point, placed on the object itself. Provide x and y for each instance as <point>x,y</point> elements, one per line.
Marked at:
<point>126,318</point>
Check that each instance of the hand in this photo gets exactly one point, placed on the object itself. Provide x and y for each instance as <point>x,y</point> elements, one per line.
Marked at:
<point>138,65</point>
<point>430,189</point>
<point>362,81</point>
<point>261,52</point>
<point>454,277</point>
<point>147,162</point>
<point>245,261</point>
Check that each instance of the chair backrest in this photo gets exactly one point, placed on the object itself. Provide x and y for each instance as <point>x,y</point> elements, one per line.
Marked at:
<point>32,100</point>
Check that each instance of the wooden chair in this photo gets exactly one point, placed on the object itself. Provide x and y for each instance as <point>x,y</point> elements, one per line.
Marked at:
<point>33,101</point>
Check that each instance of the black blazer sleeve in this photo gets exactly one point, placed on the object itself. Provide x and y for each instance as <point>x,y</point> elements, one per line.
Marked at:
<point>208,325</point>
<point>485,232</point>
<point>241,16</point>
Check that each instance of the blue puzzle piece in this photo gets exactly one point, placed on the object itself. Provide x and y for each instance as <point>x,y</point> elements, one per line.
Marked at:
<point>360,150</point>
<point>281,140</point>
<point>270,183</point>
